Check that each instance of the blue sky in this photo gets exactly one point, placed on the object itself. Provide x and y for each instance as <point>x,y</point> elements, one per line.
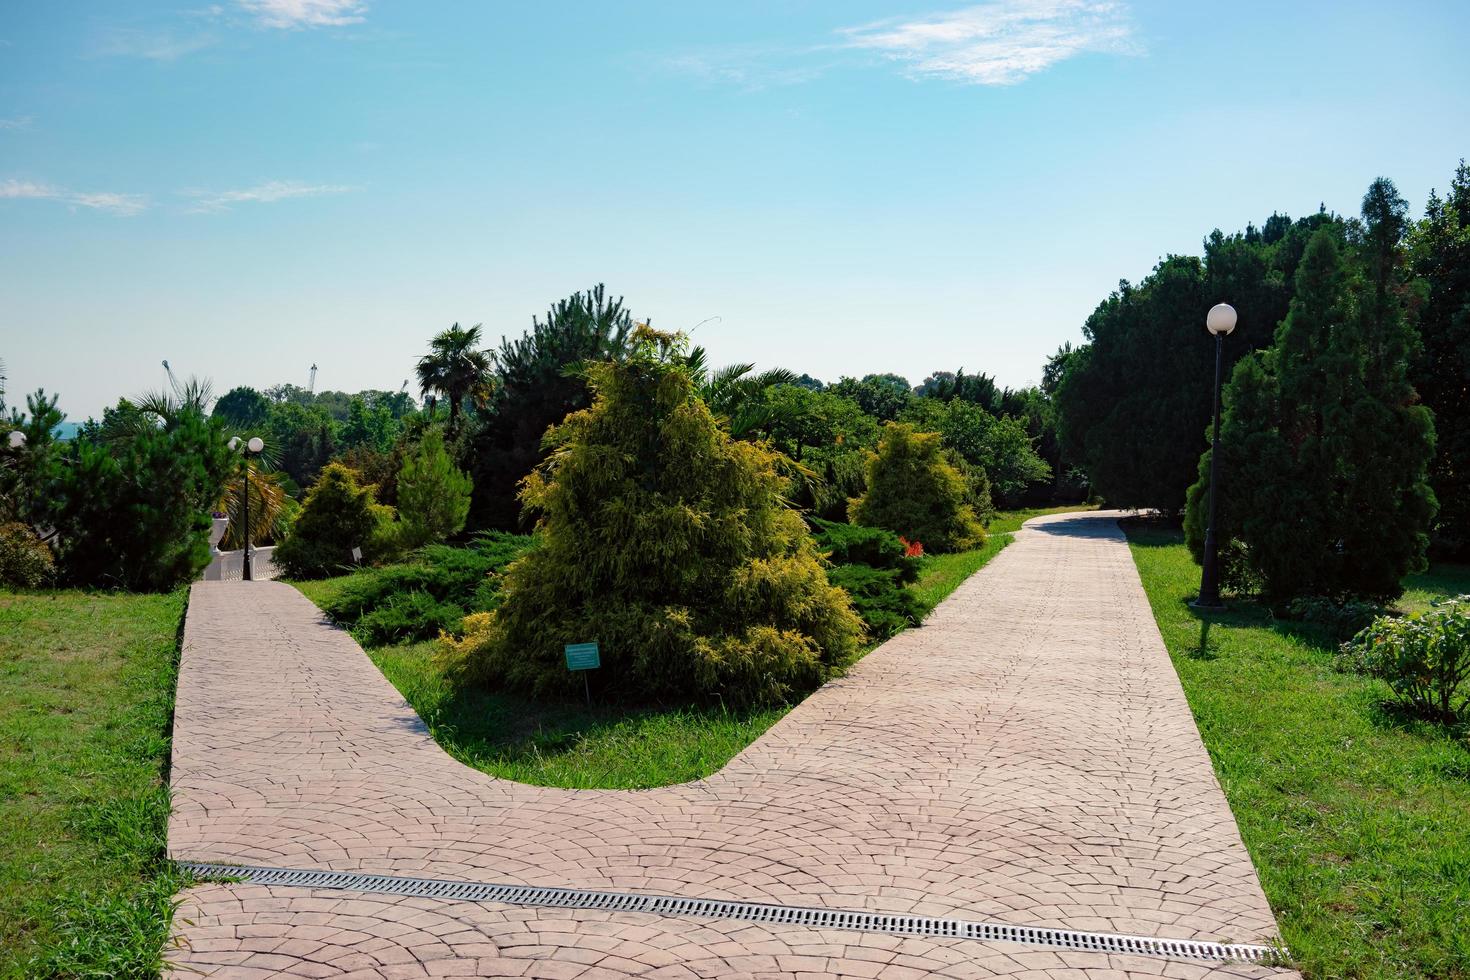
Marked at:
<point>249,187</point>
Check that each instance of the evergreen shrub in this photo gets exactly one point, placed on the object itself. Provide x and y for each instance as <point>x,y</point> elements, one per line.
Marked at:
<point>913,490</point>
<point>670,544</point>
<point>337,516</point>
<point>873,566</point>
<point>879,597</point>
<point>433,495</point>
<point>134,513</point>
<point>407,616</point>
<point>467,579</point>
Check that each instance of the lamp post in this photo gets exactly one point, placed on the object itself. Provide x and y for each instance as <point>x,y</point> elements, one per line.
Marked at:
<point>252,448</point>
<point>1220,321</point>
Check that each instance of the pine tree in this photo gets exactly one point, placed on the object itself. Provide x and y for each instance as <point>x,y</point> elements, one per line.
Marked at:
<point>1324,452</point>
<point>536,388</point>
<point>914,491</point>
<point>667,542</point>
<point>433,495</point>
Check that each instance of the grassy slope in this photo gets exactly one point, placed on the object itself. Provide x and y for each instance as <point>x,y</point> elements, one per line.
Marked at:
<point>1358,822</point>
<point>84,725</point>
<point>570,744</point>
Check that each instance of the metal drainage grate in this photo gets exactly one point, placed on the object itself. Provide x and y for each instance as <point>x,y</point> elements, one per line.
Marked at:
<point>818,918</point>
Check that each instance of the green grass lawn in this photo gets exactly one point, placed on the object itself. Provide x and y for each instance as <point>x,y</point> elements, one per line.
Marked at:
<point>1439,581</point>
<point>1358,821</point>
<point>566,743</point>
<point>88,683</point>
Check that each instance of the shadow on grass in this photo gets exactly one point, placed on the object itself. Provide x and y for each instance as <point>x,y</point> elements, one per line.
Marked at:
<point>565,742</point>
<point>1149,530</point>
<point>1204,651</point>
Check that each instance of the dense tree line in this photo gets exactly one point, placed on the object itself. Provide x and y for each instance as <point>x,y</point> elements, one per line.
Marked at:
<point>1326,447</point>
<point>1346,435</point>
<point>1132,407</point>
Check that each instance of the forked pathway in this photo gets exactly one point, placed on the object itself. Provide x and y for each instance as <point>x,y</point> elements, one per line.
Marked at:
<point>1027,756</point>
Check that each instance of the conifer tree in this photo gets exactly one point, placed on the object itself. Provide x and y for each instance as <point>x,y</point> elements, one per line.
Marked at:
<point>1324,450</point>
<point>337,516</point>
<point>433,495</point>
<point>537,387</point>
<point>669,544</point>
<point>915,492</point>
<point>1440,250</point>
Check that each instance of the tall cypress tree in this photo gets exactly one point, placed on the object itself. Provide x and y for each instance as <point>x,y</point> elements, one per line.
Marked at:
<point>1440,251</point>
<point>1325,452</point>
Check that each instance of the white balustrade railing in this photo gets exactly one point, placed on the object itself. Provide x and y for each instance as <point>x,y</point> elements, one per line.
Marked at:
<point>229,566</point>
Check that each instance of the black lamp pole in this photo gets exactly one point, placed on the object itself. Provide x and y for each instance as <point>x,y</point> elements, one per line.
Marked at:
<point>247,516</point>
<point>254,447</point>
<point>1221,321</point>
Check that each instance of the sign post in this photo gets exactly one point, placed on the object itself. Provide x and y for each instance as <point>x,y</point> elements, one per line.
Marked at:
<point>583,657</point>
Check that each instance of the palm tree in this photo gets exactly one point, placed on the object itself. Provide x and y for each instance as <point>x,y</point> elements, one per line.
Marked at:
<point>736,395</point>
<point>164,408</point>
<point>456,369</point>
<point>270,509</point>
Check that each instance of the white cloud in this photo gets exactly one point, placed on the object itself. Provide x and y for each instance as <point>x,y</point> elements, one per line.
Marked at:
<point>131,43</point>
<point>25,188</point>
<point>999,43</point>
<point>124,205</point>
<point>16,122</point>
<point>290,14</point>
<point>267,193</point>
<point>751,67</point>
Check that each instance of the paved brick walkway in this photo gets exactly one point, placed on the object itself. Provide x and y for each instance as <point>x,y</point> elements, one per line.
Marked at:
<point>1026,756</point>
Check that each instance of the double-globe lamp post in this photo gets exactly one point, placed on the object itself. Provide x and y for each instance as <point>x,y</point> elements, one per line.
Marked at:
<point>252,448</point>
<point>1220,321</point>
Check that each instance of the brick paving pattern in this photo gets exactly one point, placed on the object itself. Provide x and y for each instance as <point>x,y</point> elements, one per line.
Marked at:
<point>1026,756</point>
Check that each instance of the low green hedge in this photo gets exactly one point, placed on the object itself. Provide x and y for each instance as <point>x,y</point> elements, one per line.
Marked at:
<point>428,594</point>
<point>873,566</point>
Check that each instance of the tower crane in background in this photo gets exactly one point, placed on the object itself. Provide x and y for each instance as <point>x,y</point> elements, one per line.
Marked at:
<point>311,385</point>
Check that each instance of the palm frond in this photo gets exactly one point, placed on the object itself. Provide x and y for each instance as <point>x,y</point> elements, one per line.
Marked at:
<point>268,507</point>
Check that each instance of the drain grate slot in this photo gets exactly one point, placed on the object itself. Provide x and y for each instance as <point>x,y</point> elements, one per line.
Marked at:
<point>708,908</point>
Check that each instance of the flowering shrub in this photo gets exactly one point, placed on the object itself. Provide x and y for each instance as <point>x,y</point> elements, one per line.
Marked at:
<point>1424,659</point>
<point>911,549</point>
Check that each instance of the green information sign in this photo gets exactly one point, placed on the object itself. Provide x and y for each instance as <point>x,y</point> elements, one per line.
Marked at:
<point>582,656</point>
